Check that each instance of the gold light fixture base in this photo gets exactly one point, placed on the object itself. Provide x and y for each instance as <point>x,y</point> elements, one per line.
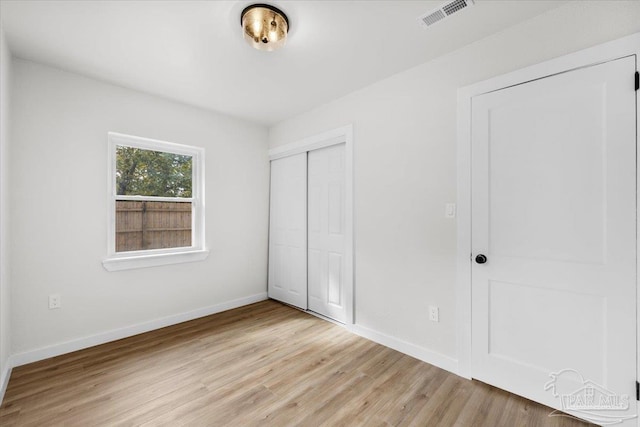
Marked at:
<point>264,27</point>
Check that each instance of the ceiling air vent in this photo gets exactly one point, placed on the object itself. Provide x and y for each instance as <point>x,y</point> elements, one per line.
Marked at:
<point>444,11</point>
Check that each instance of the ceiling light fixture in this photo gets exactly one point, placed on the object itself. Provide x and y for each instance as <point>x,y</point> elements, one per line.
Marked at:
<point>265,27</point>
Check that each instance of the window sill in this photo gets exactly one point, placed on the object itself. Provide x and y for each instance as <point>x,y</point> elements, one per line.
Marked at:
<point>153,260</point>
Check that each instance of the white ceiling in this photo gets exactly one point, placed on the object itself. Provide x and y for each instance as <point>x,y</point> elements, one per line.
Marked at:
<point>193,51</point>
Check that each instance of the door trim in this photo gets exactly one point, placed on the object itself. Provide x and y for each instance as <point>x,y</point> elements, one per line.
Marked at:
<point>315,142</point>
<point>341,135</point>
<point>606,52</point>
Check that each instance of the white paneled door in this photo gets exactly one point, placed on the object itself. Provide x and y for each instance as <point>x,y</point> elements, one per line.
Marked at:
<point>288,231</point>
<point>326,232</point>
<point>554,238</point>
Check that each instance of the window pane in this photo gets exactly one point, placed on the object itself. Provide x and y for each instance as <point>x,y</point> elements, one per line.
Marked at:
<point>142,172</point>
<point>152,225</point>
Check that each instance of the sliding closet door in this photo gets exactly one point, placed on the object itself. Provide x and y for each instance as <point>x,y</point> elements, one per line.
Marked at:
<point>288,231</point>
<point>326,257</point>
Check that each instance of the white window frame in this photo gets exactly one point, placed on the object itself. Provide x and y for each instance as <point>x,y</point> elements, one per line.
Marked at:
<point>155,257</point>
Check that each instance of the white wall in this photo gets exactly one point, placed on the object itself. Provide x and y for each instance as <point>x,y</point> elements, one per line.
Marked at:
<point>5,342</point>
<point>59,212</point>
<point>405,157</point>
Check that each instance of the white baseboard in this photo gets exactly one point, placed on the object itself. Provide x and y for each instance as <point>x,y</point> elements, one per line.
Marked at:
<point>429,356</point>
<point>116,334</point>
<point>4,378</point>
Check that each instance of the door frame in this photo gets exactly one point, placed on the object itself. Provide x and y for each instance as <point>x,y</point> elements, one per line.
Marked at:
<point>341,135</point>
<point>626,46</point>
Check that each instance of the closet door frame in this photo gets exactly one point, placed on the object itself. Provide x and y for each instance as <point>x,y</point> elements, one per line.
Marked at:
<point>342,135</point>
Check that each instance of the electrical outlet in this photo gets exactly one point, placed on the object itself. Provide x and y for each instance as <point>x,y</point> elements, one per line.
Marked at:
<point>434,313</point>
<point>55,301</point>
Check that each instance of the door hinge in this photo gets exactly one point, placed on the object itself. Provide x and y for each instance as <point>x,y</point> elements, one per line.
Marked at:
<point>637,80</point>
<point>637,390</point>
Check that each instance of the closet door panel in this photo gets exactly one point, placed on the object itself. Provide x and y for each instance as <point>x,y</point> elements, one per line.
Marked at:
<point>288,231</point>
<point>326,176</point>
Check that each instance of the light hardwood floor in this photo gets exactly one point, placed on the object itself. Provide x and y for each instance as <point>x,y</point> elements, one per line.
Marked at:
<point>261,365</point>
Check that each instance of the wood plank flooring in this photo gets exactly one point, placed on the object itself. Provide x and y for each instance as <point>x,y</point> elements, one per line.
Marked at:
<point>261,365</point>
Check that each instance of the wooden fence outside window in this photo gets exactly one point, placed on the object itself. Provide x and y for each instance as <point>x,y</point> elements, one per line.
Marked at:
<point>142,225</point>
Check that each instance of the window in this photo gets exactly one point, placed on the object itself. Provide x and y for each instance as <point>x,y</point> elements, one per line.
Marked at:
<point>156,203</point>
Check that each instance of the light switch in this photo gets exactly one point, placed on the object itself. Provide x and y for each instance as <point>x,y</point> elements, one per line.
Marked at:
<point>450,210</point>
